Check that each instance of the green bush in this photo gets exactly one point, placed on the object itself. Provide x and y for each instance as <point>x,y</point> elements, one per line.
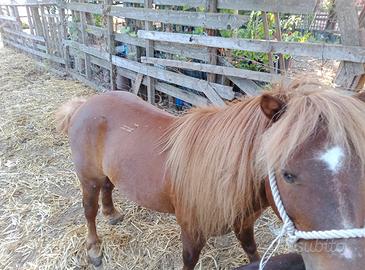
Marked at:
<point>254,29</point>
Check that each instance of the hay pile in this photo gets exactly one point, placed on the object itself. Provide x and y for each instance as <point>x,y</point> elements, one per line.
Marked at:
<point>41,218</point>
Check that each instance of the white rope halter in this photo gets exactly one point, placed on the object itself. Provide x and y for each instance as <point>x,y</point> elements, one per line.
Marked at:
<point>293,234</point>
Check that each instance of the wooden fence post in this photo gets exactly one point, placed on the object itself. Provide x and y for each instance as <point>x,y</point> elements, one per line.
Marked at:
<point>211,6</point>
<point>16,15</point>
<point>149,53</point>
<point>267,37</point>
<point>30,21</point>
<point>84,40</point>
<point>37,21</point>
<point>66,49</point>
<point>349,74</point>
<point>44,26</point>
<point>110,44</point>
<point>282,69</point>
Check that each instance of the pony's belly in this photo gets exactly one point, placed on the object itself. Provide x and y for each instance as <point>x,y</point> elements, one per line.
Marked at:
<point>145,191</point>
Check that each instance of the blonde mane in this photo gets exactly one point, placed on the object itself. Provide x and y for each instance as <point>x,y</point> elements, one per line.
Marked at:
<point>310,107</point>
<point>210,160</point>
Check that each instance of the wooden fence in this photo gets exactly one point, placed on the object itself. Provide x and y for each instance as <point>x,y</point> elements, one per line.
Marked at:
<point>153,45</point>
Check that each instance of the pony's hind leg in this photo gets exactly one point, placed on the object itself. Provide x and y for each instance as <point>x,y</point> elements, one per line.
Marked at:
<point>90,197</point>
<point>108,208</point>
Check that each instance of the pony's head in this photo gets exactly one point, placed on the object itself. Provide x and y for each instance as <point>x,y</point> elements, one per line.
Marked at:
<point>316,146</point>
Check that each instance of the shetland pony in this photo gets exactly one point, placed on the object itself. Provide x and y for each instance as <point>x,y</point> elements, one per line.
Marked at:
<point>203,166</point>
<point>198,167</point>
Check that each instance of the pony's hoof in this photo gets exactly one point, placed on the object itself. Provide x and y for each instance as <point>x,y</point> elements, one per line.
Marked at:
<point>95,254</point>
<point>115,218</point>
<point>101,267</point>
<point>97,262</point>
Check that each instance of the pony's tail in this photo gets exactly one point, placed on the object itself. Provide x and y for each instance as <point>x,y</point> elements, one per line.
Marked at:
<point>65,113</point>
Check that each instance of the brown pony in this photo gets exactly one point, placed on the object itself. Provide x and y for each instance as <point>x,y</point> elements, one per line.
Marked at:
<point>208,174</point>
<point>204,175</point>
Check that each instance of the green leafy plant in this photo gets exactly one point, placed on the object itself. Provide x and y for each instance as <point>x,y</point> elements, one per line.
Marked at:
<point>254,29</point>
<point>198,31</point>
<point>98,19</point>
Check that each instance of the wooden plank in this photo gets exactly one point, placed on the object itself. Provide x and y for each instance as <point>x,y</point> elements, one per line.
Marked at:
<point>222,70</point>
<point>37,53</point>
<point>320,51</point>
<point>218,21</point>
<point>137,83</point>
<point>97,31</point>
<point>283,6</point>
<point>184,95</point>
<point>125,38</point>
<point>212,95</point>
<point>8,18</point>
<point>91,8</point>
<point>94,60</point>
<point>174,78</point>
<point>23,34</point>
<point>87,49</point>
<point>41,47</point>
<point>91,84</point>
<point>28,2</point>
<point>168,89</point>
<point>246,85</point>
<point>150,52</point>
<point>195,52</point>
<point>47,68</point>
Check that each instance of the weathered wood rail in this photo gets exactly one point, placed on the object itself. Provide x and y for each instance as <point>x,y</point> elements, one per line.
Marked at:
<point>160,50</point>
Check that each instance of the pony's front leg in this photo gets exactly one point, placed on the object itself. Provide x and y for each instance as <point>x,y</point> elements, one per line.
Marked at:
<point>192,247</point>
<point>245,234</point>
<point>90,197</point>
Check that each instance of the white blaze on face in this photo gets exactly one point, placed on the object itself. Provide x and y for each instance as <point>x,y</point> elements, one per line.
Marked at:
<point>333,158</point>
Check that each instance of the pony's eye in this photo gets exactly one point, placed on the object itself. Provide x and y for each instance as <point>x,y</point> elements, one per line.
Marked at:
<point>289,177</point>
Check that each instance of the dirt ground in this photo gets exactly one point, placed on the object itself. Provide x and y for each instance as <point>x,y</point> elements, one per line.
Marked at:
<point>41,218</point>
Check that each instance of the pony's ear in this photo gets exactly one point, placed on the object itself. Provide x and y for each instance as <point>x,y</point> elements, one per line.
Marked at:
<point>272,107</point>
<point>361,96</point>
